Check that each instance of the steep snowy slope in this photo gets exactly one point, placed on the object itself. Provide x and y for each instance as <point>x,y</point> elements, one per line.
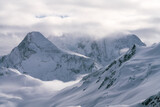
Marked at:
<point>38,57</point>
<point>102,50</point>
<point>126,82</point>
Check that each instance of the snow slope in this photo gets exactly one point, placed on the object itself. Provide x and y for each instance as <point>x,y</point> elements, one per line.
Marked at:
<point>103,50</point>
<point>126,82</point>
<point>38,57</point>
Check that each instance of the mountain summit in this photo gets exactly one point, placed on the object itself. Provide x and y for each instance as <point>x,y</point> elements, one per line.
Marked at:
<point>36,41</point>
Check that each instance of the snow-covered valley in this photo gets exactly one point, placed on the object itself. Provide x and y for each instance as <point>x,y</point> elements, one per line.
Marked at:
<point>111,72</point>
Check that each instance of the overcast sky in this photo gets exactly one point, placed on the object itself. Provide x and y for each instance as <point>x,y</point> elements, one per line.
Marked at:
<point>94,17</point>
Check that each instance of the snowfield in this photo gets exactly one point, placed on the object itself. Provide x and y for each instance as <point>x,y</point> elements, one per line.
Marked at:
<point>38,73</point>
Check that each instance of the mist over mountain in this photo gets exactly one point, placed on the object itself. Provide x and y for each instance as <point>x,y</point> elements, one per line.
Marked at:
<point>102,50</point>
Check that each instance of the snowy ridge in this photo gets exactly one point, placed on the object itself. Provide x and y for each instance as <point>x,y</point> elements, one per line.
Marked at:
<point>128,81</point>
<point>102,50</point>
<point>38,57</point>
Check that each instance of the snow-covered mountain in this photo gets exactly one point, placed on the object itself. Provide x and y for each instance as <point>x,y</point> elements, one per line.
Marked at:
<point>38,57</point>
<point>103,50</point>
<point>128,81</point>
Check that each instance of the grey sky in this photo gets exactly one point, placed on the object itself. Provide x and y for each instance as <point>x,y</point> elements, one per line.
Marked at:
<point>94,17</point>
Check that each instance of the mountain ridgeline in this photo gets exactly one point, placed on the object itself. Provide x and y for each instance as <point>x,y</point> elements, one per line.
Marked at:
<point>131,80</point>
<point>102,50</point>
<point>40,58</point>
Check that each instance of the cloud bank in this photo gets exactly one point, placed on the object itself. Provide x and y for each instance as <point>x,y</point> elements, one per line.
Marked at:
<point>93,17</point>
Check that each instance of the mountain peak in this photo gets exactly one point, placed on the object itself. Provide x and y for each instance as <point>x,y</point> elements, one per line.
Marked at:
<point>136,39</point>
<point>35,37</point>
<point>130,39</point>
<point>35,41</point>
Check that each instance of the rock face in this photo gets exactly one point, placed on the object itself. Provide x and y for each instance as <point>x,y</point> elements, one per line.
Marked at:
<point>153,101</point>
<point>38,57</point>
<point>102,50</point>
